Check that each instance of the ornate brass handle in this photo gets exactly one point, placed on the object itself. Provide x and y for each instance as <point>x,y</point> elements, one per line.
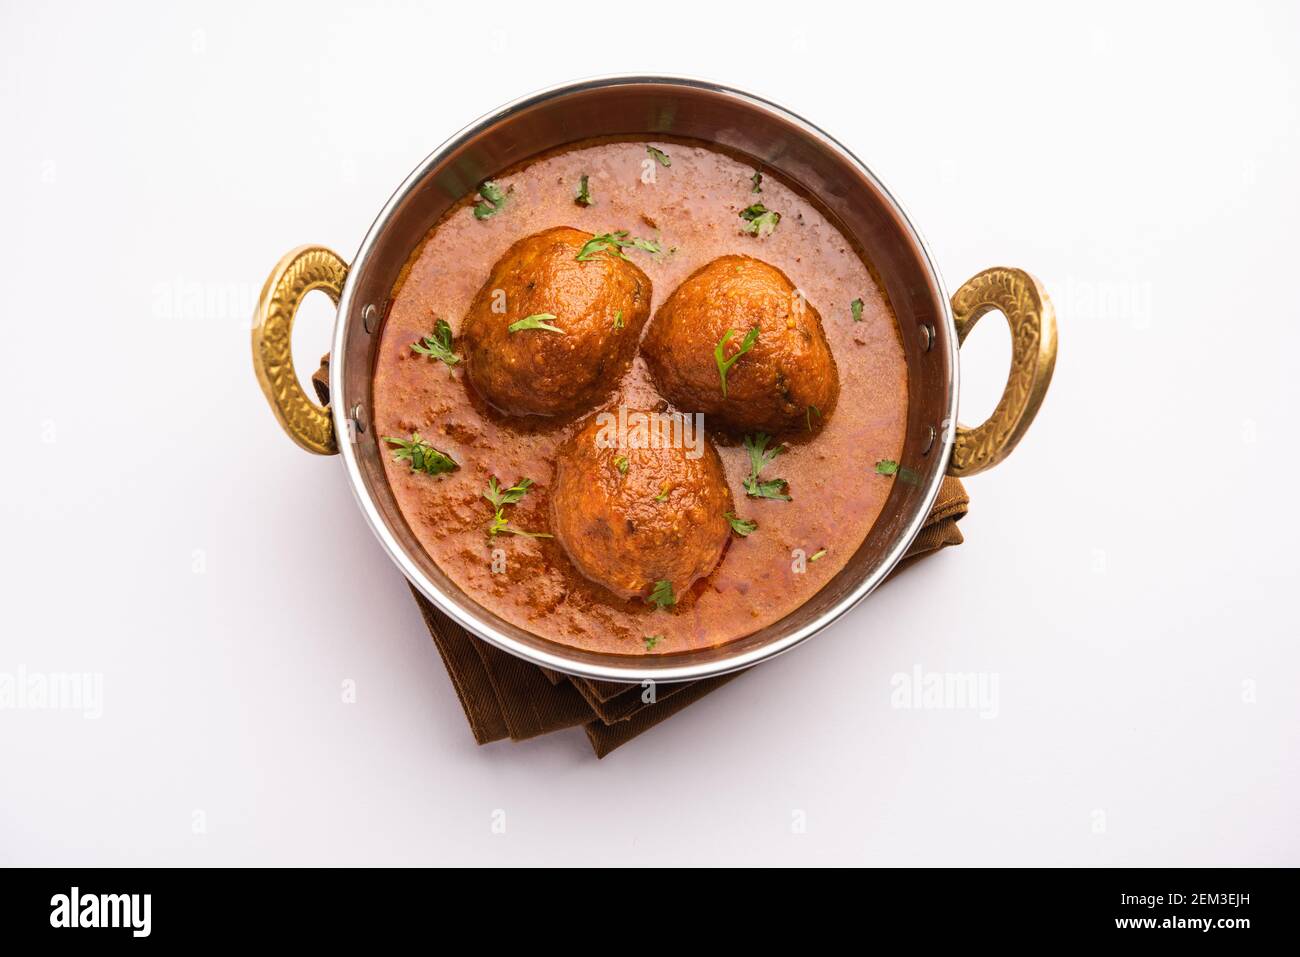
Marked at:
<point>1033,356</point>
<point>298,273</point>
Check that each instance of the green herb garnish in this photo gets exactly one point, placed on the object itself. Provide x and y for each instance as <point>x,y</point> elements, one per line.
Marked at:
<point>501,524</point>
<point>757,180</point>
<point>886,467</point>
<point>614,243</point>
<point>584,193</point>
<point>808,414</point>
<point>724,363</point>
<point>507,496</point>
<point>760,221</point>
<point>618,319</point>
<point>816,555</point>
<point>491,200</point>
<point>539,321</point>
<point>740,526</point>
<point>422,456</point>
<point>500,498</point>
<point>652,640</point>
<point>438,345</point>
<point>660,156</point>
<point>621,463</point>
<point>662,594</point>
<point>759,459</point>
<point>855,307</point>
<point>663,492</point>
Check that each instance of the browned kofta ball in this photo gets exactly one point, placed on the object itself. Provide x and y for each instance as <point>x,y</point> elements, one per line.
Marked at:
<point>599,306</point>
<point>787,379</point>
<point>632,512</point>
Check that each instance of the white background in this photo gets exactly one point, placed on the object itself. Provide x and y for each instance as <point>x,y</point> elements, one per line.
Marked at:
<point>1129,574</point>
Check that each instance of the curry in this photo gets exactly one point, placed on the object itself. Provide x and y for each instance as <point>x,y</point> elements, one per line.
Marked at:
<point>577,291</point>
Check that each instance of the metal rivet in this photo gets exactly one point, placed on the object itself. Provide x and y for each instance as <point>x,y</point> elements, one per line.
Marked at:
<point>356,416</point>
<point>368,316</point>
<point>929,440</point>
<point>927,331</point>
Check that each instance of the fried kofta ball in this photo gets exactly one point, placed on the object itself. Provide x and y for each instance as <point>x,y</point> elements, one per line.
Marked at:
<point>786,378</point>
<point>642,504</point>
<point>549,334</point>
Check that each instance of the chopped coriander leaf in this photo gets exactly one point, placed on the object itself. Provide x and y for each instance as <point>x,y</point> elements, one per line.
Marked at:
<point>740,526</point>
<point>509,496</point>
<point>775,489</point>
<point>660,156</point>
<point>759,459</point>
<point>760,221</point>
<point>757,180</point>
<point>614,243</point>
<point>491,200</point>
<point>438,345</point>
<point>621,463</point>
<point>422,456</point>
<point>663,492</point>
<point>725,363</point>
<point>500,498</point>
<point>652,640</point>
<point>539,321</point>
<point>605,242</point>
<point>810,412</point>
<point>886,467</point>
<point>816,555</point>
<point>759,456</point>
<point>584,193</point>
<point>662,594</point>
<point>501,526</point>
<point>855,307</point>
<point>618,319</point>
<point>645,245</point>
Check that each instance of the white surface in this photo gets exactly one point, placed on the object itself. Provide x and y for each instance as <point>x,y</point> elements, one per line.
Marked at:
<point>1126,575</point>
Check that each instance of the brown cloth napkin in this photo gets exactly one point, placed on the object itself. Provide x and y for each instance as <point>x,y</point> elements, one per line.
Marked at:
<point>506,697</point>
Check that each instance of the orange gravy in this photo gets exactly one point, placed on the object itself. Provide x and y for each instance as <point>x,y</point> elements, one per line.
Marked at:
<point>693,209</point>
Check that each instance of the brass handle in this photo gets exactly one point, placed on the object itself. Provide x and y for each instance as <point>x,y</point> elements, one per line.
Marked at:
<point>1033,356</point>
<point>298,273</point>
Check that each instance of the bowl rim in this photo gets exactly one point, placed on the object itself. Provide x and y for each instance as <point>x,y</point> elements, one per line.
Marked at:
<point>650,668</point>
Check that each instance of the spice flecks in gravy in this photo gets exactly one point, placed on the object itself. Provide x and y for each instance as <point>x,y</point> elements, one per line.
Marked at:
<point>692,208</point>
